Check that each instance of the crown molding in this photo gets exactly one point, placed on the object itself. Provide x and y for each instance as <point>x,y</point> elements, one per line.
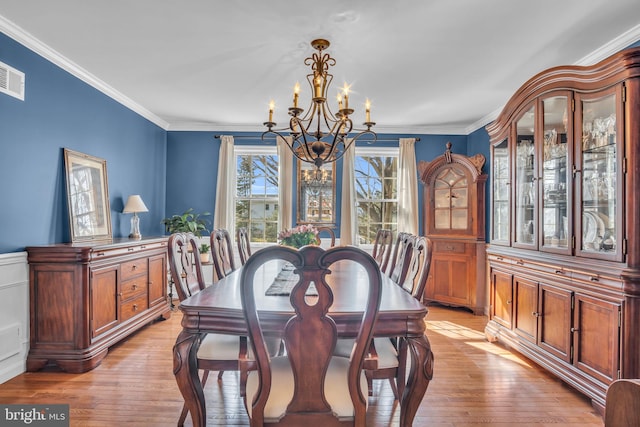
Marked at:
<point>621,42</point>
<point>32,43</point>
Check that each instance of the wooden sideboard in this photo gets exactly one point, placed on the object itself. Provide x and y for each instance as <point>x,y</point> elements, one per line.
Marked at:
<point>86,297</point>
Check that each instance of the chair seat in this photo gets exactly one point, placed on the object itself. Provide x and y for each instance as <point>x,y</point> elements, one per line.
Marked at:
<point>387,353</point>
<point>227,347</point>
<point>336,389</point>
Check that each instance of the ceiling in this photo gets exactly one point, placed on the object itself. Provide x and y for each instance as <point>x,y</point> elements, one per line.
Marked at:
<point>436,66</point>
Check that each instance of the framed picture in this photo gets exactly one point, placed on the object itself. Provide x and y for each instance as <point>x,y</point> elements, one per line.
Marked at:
<point>87,197</point>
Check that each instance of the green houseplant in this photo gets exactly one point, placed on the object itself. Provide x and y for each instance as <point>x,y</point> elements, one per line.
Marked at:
<point>189,221</point>
<point>205,256</point>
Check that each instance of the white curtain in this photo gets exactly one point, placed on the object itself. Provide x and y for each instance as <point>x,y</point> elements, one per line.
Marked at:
<point>223,216</point>
<point>407,187</point>
<point>285,184</point>
<point>348,219</point>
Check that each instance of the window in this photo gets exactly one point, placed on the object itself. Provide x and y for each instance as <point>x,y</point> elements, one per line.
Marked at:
<point>376,174</point>
<point>256,203</point>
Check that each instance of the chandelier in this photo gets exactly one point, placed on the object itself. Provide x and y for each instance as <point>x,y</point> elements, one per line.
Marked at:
<point>320,136</point>
<point>316,180</point>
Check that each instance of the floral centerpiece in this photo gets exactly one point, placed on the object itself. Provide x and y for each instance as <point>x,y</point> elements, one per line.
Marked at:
<point>299,236</point>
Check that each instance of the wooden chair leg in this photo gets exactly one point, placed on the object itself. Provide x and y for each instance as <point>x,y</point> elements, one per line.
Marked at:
<point>402,366</point>
<point>183,414</point>
<point>369,376</point>
<point>394,388</point>
<point>220,375</point>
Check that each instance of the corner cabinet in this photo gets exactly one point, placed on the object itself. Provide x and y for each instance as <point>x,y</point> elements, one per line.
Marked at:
<point>454,221</point>
<point>86,297</point>
<point>564,252</point>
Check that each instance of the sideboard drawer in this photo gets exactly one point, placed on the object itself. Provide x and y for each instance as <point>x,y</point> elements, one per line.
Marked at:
<point>133,287</point>
<point>134,268</point>
<point>133,307</point>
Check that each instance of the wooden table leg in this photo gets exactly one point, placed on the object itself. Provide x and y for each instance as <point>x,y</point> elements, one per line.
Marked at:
<point>420,373</point>
<point>185,369</point>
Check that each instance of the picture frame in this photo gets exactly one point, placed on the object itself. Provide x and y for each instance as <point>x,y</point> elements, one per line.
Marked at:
<point>87,197</point>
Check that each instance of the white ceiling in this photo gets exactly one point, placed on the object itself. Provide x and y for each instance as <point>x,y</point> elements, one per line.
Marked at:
<point>428,66</point>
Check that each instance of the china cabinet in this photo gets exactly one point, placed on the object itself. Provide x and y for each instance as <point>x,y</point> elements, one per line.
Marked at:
<point>454,221</point>
<point>85,297</point>
<point>564,253</point>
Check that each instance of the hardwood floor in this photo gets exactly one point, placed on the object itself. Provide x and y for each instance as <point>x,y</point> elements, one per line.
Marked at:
<point>475,383</point>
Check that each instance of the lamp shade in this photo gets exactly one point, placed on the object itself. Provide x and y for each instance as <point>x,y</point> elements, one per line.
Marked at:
<point>135,204</point>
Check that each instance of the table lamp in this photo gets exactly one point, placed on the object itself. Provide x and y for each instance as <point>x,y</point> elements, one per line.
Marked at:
<point>134,205</point>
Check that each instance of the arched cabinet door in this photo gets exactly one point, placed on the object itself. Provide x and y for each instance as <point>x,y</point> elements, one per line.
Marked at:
<point>454,187</point>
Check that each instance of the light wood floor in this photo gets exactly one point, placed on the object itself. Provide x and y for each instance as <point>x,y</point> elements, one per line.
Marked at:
<point>475,383</point>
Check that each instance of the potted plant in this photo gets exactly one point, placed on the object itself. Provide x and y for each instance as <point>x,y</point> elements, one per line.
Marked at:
<point>187,222</point>
<point>205,256</point>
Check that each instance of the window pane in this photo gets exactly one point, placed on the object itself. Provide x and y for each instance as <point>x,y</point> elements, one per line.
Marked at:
<point>257,195</point>
<point>376,194</point>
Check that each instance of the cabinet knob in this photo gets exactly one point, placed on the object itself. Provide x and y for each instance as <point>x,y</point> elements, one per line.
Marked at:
<point>535,314</point>
<point>574,330</point>
<point>120,294</point>
<point>509,302</point>
<point>133,267</point>
<point>134,286</point>
<point>135,307</point>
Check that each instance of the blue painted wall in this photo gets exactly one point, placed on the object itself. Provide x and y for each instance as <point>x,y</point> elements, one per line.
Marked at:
<point>192,157</point>
<point>60,111</point>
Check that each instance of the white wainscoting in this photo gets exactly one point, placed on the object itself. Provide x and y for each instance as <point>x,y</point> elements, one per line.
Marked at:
<point>14,314</point>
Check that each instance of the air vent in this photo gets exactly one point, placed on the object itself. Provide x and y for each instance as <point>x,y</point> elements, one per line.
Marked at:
<point>11,81</point>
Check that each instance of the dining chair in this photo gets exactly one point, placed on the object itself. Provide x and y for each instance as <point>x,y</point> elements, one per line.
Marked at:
<point>622,404</point>
<point>391,354</point>
<point>399,261</point>
<point>329,231</point>
<point>217,352</point>
<point>308,385</point>
<point>222,253</point>
<point>244,246</point>
<point>382,247</point>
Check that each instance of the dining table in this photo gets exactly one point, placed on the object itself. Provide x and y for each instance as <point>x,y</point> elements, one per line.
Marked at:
<point>218,309</point>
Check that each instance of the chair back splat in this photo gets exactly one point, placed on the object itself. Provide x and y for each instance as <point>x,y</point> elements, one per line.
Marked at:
<point>329,232</point>
<point>308,385</point>
<point>222,253</point>
<point>244,246</point>
<point>382,247</point>
<point>184,264</point>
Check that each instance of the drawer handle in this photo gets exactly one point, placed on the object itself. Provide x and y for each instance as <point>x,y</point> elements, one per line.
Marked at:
<point>559,272</point>
<point>499,258</point>
<point>594,279</point>
<point>449,248</point>
<point>143,247</point>
<point>100,254</point>
<point>520,262</point>
<point>131,249</point>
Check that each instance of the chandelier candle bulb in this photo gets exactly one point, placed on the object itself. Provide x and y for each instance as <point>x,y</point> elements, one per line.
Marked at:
<point>271,107</point>
<point>296,91</point>
<point>339,98</point>
<point>317,85</point>
<point>367,106</point>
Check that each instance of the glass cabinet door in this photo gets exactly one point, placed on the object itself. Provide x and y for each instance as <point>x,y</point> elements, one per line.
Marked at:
<point>525,178</point>
<point>451,200</point>
<point>555,218</point>
<point>501,187</point>
<point>600,193</point>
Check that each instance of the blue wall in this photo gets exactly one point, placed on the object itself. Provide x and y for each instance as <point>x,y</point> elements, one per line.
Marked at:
<point>172,171</point>
<point>193,157</point>
<point>60,111</point>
